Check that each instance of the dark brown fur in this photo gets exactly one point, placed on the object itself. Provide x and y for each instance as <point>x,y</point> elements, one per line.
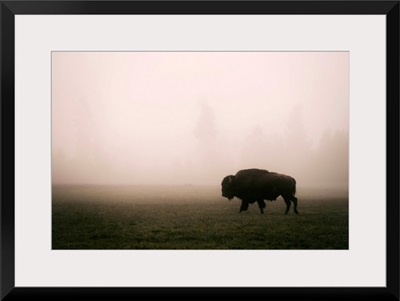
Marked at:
<point>257,185</point>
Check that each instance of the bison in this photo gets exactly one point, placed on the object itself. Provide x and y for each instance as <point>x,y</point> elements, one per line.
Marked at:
<point>257,185</point>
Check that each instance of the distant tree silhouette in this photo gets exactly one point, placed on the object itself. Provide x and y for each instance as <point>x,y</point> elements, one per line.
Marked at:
<point>205,130</point>
<point>332,158</point>
<point>254,152</point>
<point>206,134</point>
<point>298,151</point>
<point>296,134</point>
<point>325,165</point>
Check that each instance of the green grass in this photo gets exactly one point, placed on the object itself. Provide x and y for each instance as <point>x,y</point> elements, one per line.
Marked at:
<point>191,217</point>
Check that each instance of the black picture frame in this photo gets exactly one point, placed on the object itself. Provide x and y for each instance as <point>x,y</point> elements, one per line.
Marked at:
<point>11,8</point>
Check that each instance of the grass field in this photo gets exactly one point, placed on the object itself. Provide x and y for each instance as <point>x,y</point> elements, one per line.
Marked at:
<point>192,217</point>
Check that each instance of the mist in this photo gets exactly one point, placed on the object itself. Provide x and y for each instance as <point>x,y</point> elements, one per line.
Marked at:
<point>191,118</point>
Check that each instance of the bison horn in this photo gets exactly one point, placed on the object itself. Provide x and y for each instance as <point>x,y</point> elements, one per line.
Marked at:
<point>230,180</point>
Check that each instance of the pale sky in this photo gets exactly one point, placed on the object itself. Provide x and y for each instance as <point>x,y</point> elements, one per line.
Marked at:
<point>194,117</point>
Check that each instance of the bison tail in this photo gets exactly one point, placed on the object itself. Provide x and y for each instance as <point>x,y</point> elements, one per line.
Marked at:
<point>294,187</point>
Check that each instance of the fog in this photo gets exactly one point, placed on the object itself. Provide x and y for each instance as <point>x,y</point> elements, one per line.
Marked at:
<point>191,118</point>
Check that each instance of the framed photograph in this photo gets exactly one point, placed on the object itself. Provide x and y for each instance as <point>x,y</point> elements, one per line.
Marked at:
<point>200,150</point>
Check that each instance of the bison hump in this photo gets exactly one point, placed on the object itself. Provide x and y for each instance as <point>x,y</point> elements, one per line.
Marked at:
<point>253,172</point>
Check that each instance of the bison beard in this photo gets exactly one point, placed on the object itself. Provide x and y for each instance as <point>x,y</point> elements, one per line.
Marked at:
<point>257,185</point>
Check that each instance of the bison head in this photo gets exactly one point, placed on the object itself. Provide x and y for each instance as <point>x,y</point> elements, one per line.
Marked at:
<point>227,187</point>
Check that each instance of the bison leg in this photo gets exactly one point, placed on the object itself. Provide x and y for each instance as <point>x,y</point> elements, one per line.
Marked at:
<point>261,205</point>
<point>294,200</point>
<point>244,206</point>
<point>288,203</point>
